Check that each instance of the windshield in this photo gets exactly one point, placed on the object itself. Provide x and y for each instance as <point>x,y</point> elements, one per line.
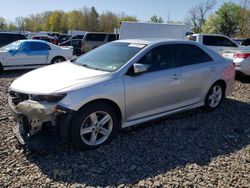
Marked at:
<point>110,57</point>
<point>11,46</point>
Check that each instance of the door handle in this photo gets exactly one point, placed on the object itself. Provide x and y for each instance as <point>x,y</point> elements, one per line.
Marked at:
<point>175,76</point>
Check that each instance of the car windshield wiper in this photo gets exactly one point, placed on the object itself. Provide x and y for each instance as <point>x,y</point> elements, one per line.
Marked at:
<point>90,67</point>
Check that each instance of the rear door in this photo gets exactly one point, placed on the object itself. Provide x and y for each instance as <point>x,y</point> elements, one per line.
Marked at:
<point>198,70</point>
<point>158,89</point>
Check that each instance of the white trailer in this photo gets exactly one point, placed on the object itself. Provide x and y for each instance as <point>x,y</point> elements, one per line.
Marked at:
<point>133,30</point>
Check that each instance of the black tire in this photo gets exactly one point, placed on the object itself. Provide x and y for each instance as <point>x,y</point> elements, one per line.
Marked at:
<point>57,60</point>
<point>212,96</point>
<point>82,118</point>
<point>1,68</point>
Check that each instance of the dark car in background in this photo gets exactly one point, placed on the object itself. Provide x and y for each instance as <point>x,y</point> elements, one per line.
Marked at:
<point>46,38</point>
<point>76,43</point>
<point>92,40</point>
<point>7,38</point>
<point>63,38</point>
<point>243,41</point>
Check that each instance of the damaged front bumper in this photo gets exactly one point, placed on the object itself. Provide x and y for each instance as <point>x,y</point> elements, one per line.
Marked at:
<point>30,117</point>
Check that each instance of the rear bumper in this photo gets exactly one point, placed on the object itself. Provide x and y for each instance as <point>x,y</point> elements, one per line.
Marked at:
<point>243,69</point>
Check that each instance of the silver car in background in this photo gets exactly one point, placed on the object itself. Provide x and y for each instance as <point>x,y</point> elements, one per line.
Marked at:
<point>117,85</point>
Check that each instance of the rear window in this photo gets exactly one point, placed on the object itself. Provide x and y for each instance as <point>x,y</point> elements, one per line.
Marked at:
<point>95,37</point>
<point>246,42</point>
<point>217,41</point>
<point>191,54</point>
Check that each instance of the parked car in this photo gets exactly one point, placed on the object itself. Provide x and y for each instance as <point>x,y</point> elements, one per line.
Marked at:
<point>118,85</point>
<point>92,40</point>
<point>7,38</point>
<point>241,59</point>
<point>216,42</point>
<point>63,38</point>
<point>77,37</point>
<point>76,43</point>
<point>243,41</point>
<point>24,54</point>
<point>46,38</point>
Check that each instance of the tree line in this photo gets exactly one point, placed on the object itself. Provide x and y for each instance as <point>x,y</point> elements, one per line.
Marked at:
<point>85,19</point>
<point>231,19</point>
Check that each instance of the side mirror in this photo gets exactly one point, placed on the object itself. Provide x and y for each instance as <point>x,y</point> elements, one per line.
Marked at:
<point>139,68</point>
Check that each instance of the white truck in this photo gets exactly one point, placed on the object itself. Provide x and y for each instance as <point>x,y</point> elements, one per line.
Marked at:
<point>135,30</point>
<point>223,45</point>
<point>218,43</point>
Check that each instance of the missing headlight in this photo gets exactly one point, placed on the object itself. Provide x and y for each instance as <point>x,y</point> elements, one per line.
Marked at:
<point>48,98</point>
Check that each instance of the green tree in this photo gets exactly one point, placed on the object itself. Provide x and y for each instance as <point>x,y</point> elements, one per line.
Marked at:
<point>57,21</point>
<point>212,25</point>
<point>156,19</point>
<point>228,17</point>
<point>108,21</point>
<point>129,18</point>
<point>3,23</point>
<point>93,20</point>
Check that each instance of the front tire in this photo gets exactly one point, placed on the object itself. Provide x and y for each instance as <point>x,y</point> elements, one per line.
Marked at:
<point>214,96</point>
<point>93,126</point>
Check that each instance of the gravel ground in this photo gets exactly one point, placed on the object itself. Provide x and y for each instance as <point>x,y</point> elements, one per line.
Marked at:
<point>192,149</point>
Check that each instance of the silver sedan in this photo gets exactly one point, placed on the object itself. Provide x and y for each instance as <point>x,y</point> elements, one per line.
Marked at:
<point>118,85</point>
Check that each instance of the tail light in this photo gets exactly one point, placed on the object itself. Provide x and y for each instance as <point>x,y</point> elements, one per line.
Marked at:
<point>241,55</point>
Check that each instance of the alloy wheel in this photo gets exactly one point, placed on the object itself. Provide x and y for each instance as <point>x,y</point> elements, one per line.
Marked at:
<point>215,96</point>
<point>96,128</point>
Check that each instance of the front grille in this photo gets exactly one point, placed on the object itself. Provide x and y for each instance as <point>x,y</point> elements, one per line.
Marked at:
<point>17,97</point>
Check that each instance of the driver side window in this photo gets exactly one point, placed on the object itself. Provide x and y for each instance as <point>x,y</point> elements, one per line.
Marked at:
<point>25,48</point>
<point>160,58</point>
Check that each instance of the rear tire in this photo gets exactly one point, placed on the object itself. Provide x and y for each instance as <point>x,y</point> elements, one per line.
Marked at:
<point>57,60</point>
<point>214,96</point>
<point>93,125</point>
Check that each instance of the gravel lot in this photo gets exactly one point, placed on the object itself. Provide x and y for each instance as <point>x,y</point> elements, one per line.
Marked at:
<point>192,149</point>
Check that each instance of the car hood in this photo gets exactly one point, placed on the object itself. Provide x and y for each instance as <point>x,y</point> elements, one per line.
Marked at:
<point>53,78</point>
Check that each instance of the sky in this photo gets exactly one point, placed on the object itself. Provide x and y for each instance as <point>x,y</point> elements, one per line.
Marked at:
<point>142,9</point>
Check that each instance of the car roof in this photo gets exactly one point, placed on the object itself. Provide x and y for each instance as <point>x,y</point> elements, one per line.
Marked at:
<point>149,41</point>
<point>34,40</point>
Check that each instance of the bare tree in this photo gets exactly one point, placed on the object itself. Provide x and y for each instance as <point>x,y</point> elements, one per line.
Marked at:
<point>197,15</point>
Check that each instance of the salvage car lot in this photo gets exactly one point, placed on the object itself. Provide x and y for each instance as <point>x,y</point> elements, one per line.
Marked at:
<point>197,148</point>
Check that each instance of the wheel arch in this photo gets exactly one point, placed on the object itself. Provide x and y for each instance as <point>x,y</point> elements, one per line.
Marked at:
<point>223,84</point>
<point>55,57</point>
<point>109,102</point>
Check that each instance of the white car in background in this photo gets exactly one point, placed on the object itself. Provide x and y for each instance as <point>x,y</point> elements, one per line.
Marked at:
<point>26,54</point>
<point>241,59</point>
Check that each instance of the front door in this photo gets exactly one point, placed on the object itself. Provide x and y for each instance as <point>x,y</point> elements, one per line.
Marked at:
<point>158,89</point>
